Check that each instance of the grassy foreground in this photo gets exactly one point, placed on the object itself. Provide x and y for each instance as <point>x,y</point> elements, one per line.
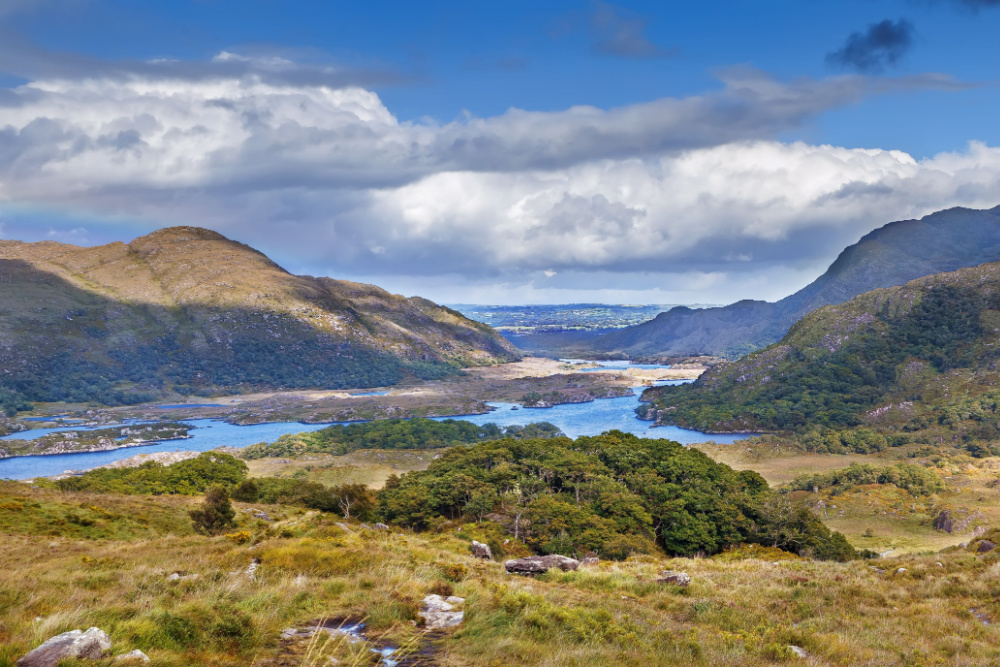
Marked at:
<point>73,560</point>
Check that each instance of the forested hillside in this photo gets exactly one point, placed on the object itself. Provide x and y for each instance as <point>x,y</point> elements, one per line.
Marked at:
<point>893,361</point>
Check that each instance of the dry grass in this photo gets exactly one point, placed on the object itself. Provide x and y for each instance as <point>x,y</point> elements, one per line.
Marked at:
<point>736,611</point>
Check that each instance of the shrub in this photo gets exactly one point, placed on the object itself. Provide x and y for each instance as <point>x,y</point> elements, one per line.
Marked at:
<point>216,513</point>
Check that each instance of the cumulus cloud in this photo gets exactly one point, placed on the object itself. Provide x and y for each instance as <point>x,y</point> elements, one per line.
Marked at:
<point>882,44</point>
<point>325,178</point>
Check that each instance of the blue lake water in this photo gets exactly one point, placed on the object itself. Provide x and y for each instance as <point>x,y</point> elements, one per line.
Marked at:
<point>612,365</point>
<point>181,406</point>
<point>574,419</point>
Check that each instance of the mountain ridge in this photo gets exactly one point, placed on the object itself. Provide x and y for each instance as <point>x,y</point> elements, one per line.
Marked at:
<point>890,255</point>
<point>186,309</point>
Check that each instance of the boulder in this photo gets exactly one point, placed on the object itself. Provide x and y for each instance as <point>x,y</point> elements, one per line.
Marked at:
<point>589,561</point>
<point>381,526</point>
<point>480,550</point>
<point>944,522</point>
<point>133,656</point>
<point>439,612</point>
<point>798,651</point>
<point>681,579</point>
<point>91,644</point>
<point>541,564</point>
<point>258,514</point>
<point>985,546</point>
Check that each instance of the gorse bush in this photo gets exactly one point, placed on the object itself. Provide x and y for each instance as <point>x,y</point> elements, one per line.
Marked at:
<point>614,494</point>
<point>393,434</point>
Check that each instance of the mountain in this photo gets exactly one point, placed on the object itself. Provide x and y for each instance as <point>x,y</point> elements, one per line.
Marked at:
<point>918,357</point>
<point>188,310</point>
<point>891,255</point>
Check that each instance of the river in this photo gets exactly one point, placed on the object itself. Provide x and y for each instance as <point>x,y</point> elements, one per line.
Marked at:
<point>574,419</point>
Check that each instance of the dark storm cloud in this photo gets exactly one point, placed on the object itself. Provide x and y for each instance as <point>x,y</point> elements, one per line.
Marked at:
<point>882,44</point>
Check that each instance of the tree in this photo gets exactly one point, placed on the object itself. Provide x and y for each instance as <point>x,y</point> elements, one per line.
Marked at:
<point>216,513</point>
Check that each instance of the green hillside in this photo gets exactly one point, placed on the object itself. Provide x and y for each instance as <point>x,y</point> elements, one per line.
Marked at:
<point>895,361</point>
<point>187,310</point>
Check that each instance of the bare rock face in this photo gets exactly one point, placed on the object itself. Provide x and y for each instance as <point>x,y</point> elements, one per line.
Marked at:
<point>985,547</point>
<point>439,612</point>
<point>541,564</point>
<point>676,578</point>
<point>480,550</point>
<point>91,644</point>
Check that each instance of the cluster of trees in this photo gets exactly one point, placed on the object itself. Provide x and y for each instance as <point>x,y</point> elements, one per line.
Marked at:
<point>613,494</point>
<point>416,433</point>
<point>917,480</point>
<point>188,477</point>
<point>352,501</point>
<point>810,388</point>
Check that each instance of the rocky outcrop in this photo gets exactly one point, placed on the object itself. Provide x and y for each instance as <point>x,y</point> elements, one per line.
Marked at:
<point>133,657</point>
<point>541,564</point>
<point>440,612</point>
<point>985,546</point>
<point>681,579</point>
<point>480,550</point>
<point>943,521</point>
<point>89,644</point>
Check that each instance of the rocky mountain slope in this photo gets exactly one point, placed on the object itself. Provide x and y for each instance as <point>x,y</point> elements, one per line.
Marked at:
<point>889,256</point>
<point>908,358</point>
<point>190,311</point>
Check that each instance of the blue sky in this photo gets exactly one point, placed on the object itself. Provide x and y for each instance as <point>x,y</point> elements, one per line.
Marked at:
<point>846,115</point>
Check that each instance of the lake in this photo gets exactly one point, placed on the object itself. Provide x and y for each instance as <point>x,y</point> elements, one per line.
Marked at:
<point>574,419</point>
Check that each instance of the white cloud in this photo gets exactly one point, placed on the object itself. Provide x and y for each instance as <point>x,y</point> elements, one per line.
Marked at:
<point>693,190</point>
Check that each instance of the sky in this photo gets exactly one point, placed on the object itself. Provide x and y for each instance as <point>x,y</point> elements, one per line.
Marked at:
<point>516,152</point>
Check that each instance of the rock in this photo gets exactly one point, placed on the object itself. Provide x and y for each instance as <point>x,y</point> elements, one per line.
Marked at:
<point>133,656</point>
<point>541,564</point>
<point>480,550</point>
<point>177,576</point>
<point>439,612</point>
<point>901,570</point>
<point>251,571</point>
<point>259,514</point>
<point>91,644</point>
<point>589,561</point>
<point>798,651</point>
<point>366,526</point>
<point>985,547</point>
<point>344,527</point>
<point>381,526</point>
<point>944,522</point>
<point>676,578</point>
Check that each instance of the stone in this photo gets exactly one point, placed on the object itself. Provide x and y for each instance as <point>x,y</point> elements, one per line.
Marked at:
<point>259,514</point>
<point>91,644</point>
<point>589,561</point>
<point>381,526</point>
<point>901,570</point>
<point>681,579</point>
<point>344,527</point>
<point>541,564</point>
<point>798,651</point>
<point>943,521</point>
<point>480,550</point>
<point>439,612</point>
<point>985,547</point>
<point>133,656</point>
<point>366,526</point>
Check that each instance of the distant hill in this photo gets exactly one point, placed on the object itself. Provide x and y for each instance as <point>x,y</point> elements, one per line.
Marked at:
<point>925,355</point>
<point>188,310</point>
<point>891,255</point>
